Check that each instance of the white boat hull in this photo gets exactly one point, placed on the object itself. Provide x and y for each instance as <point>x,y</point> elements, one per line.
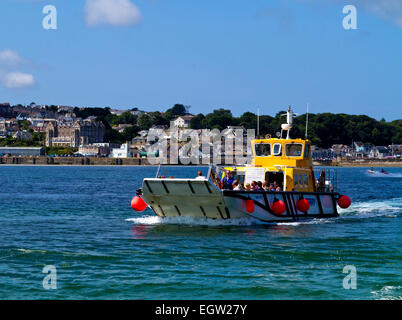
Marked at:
<point>201,199</point>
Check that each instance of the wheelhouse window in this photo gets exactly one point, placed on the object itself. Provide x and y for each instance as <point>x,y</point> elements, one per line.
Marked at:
<point>277,149</point>
<point>293,149</point>
<point>262,149</point>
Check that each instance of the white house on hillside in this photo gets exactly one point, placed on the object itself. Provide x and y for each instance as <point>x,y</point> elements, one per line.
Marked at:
<point>379,152</point>
<point>182,121</point>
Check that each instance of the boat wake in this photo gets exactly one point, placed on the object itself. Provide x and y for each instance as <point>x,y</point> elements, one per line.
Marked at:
<point>155,220</point>
<point>190,221</point>
<point>388,293</point>
<point>389,208</point>
<point>378,174</point>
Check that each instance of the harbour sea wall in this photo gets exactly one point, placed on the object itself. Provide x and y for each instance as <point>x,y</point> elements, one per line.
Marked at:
<point>75,161</point>
<point>88,161</point>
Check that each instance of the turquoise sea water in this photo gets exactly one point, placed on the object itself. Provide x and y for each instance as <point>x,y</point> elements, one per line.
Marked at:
<point>79,220</point>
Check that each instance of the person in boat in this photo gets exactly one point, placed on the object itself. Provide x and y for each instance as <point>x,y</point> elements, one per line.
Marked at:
<point>215,180</point>
<point>265,186</point>
<point>200,176</point>
<point>227,181</point>
<point>237,186</point>
<point>259,184</point>
<point>254,185</point>
<point>276,187</point>
<point>248,187</point>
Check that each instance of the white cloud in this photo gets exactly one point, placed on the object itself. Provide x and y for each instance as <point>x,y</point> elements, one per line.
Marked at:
<point>9,61</point>
<point>10,58</point>
<point>15,80</point>
<point>113,12</point>
<point>389,9</point>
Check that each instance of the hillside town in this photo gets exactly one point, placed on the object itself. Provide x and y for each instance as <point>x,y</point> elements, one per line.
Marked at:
<point>39,130</point>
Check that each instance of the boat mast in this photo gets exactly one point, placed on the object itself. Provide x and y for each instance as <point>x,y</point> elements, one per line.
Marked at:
<point>289,118</point>
<point>306,122</point>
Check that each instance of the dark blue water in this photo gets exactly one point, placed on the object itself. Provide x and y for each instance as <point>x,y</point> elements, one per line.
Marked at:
<point>79,220</point>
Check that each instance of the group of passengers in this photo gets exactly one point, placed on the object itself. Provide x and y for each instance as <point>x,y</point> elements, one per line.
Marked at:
<point>228,182</point>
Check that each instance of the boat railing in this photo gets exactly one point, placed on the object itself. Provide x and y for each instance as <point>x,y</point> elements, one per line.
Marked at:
<point>212,175</point>
<point>327,180</point>
<point>160,167</point>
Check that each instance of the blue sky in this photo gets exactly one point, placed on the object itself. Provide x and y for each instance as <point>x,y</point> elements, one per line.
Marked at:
<point>208,54</point>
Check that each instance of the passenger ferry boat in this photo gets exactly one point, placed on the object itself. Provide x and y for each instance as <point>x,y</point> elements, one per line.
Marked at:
<point>286,161</point>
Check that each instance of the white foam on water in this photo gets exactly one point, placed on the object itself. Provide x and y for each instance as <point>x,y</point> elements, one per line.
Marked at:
<point>382,175</point>
<point>295,224</point>
<point>147,220</point>
<point>303,222</point>
<point>155,220</point>
<point>388,208</point>
<point>31,251</point>
<point>388,293</point>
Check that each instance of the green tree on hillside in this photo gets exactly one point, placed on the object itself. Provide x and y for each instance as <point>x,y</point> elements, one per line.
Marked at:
<point>130,132</point>
<point>158,120</point>
<point>144,121</point>
<point>248,120</point>
<point>196,122</point>
<point>176,111</point>
<point>127,118</point>
<point>87,112</point>
<point>218,119</point>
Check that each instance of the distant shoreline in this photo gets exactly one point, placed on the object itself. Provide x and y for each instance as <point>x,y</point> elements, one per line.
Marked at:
<point>316,164</point>
<point>143,162</point>
<point>374,165</point>
<point>362,164</point>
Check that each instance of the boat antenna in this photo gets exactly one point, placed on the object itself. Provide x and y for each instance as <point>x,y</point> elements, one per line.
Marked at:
<point>289,117</point>
<point>306,122</point>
